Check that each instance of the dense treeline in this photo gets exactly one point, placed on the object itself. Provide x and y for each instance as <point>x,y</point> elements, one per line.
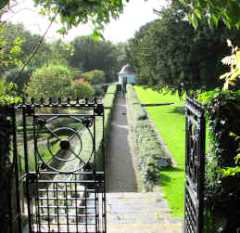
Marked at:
<point>170,52</point>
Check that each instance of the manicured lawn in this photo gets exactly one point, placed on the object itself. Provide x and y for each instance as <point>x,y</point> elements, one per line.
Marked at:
<point>170,122</point>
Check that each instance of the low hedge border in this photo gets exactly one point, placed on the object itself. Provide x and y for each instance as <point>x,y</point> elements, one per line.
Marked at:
<point>109,101</point>
<point>151,155</point>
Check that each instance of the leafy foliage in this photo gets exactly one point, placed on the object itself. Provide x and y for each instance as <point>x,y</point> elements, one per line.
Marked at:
<point>222,168</point>
<point>8,93</point>
<point>10,51</point>
<point>232,78</point>
<point>72,13</point>
<point>18,77</point>
<point>215,11</point>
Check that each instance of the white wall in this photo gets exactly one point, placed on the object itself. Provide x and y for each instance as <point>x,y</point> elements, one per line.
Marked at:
<point>130,77</point>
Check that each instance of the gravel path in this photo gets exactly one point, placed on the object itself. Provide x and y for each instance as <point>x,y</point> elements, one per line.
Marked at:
<point>120,167</point>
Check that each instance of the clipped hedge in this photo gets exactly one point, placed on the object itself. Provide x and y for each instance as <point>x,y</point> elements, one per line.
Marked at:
<point>151,156</point>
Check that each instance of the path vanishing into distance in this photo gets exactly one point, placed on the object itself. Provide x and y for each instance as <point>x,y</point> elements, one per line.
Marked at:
<point>129,211</point>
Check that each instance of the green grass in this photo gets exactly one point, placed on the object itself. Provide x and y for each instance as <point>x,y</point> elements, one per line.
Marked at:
<point>170,121</point>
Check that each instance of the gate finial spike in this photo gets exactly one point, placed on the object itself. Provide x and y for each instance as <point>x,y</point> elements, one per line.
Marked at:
<point>59,100</point>
<point>50,100</point>
<point>77,100</point>
<point>68,100</point>
<point>32,100</point>
<point>42,101</point>
<point>24,100</point>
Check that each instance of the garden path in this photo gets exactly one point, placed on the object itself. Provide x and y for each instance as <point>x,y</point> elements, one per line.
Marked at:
<point>127,210</point>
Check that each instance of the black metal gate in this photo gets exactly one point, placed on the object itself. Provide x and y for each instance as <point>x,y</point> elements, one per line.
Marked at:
<point>195,160</point>
<point>60,152</point>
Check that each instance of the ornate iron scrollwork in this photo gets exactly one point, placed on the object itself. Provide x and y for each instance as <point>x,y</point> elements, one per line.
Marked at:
<point>64,144</point>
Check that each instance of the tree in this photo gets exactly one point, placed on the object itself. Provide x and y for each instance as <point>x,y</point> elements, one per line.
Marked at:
<point>91,55</point>
<point>121,55</point>
<point>169,52</point>
<point>50,81</point>
<point>29,42</point>
<point>60,52</point>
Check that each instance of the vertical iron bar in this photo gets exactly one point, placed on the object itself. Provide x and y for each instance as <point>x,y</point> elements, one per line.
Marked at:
<point>104,178</point>
<point>26,167</point>
<point>37,199</point>
<point>16,164</point>
<point>76,202</point>
<point>48,211</point>
<point>94,172</point>
<point>38,204</point>
<point>186,167</point>
<point>58,217</point>
<point>85,211</point>
<point>202,169</point>
<point>66,201</point>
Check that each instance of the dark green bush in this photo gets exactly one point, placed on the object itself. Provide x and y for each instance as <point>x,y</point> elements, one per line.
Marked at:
<point>222,165</point>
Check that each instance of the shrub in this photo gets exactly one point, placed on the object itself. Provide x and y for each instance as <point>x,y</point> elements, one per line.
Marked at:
<point>82,89</point>
<point>50,80</point>
<point>8,93</point>
<point>151,156</point>
<point>95,77</point>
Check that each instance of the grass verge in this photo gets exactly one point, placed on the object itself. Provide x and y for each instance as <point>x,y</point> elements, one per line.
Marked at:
<point>170,122</point>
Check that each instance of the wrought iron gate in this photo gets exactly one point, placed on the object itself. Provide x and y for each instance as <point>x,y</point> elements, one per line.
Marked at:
<point>61,165</point>
<point>195,160</point>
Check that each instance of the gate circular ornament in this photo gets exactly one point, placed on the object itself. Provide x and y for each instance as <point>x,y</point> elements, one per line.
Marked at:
<point>61,149</point>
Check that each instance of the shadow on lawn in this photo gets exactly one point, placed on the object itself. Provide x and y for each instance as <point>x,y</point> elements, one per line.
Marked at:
<point>165,179</point>
<point>178,110</point>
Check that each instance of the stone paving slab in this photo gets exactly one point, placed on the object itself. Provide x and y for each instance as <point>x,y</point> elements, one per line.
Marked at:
<point>146,228</point>
<point>140,213</point>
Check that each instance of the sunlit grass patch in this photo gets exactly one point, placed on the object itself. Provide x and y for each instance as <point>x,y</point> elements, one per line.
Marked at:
<point>170,122</point>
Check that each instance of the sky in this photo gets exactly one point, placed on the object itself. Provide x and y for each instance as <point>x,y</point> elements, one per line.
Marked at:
<point>136,13</point>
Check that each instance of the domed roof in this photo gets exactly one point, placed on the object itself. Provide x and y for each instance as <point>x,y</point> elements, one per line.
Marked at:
<point>127,69</point>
